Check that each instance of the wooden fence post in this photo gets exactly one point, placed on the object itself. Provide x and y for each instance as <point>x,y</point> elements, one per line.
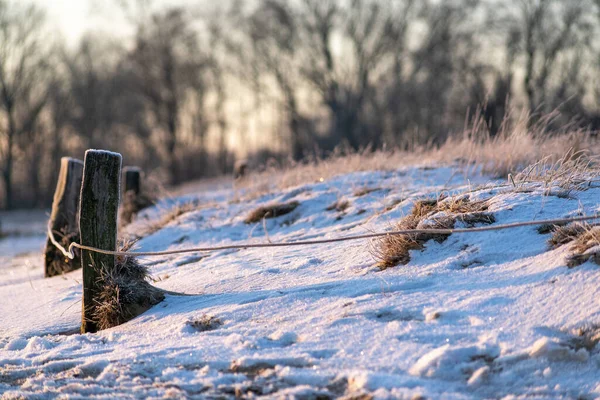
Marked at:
<point>134,198</point>
<point>98,225</point>
<point>132,178</point>
<point>64,219</point>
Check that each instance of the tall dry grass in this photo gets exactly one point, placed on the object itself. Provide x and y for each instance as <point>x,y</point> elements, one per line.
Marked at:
<point>520,143</point>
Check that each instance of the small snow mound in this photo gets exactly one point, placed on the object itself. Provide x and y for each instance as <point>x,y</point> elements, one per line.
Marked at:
<point>298,377</point>
<point>13,395</point>
<point>553,350</point>
<point>37,344</point>
<point>92,368</point>
<point>370,381</point>
<point>303,392</point>
<point>448,362</point>
<point>432,315</point>
<point>284,338</point>
<point>16,344</point>
<point>426,365</point>
<point>112,153</point>
<point>479,376</point>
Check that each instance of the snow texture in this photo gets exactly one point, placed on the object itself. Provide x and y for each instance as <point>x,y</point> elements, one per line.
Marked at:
<point>486,315</point>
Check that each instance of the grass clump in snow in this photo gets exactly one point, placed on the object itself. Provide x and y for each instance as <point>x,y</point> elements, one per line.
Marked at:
<point>438,213</point>
<point>572,172</point>
<point>364,191</point>
<point>125,292</point>
<point>339,205</point>
<point>586,337</point>
<point>584,239</point>
<point>205,323</point>
<point>562,235</point>
<point>522,140</point>
<point>271,211</point>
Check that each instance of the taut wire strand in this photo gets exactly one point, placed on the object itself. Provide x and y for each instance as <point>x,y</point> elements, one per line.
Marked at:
<point>70,252</point>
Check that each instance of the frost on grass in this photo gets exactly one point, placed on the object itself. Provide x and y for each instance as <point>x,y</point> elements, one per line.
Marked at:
<point>204,323</point>
<point>125,292</point>
<point>438,213</point>
<point>271,211</point>
<point>584,241</point>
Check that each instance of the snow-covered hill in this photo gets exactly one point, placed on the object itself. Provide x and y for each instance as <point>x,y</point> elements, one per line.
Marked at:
<point>480,315</point>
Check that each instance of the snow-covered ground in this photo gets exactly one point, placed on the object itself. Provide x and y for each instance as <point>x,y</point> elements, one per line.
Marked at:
<point>486,315</point>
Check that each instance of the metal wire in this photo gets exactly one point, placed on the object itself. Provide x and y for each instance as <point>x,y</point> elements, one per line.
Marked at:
<point>70,252</point>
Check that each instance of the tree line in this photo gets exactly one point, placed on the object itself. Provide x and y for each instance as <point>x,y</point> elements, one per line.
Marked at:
<point>195,87</point>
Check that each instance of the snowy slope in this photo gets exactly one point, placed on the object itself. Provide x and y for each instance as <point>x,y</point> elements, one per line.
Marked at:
<point>485,315</point>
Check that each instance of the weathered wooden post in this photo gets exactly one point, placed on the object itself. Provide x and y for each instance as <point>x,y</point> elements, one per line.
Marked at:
<point>64,219</point>
<point>98,225</point>
<point>134,198</point>
<point>132,179</point>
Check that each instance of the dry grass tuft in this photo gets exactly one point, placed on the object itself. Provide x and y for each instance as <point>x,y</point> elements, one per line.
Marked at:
<point>392,205</point>
<point>521,141</point>
<point>585,337</point>
<point>364,191</point>
<point>125,293</point>
<point>476,218</point>
<point>271,211</point>
<point>584,239</point>
<point>572,172</point>
<point>565,234</point>
<point>548,228</point>
<point>205,323</point>
<point>428,214</point>
<point>339,205</point>
<point>424,207</point>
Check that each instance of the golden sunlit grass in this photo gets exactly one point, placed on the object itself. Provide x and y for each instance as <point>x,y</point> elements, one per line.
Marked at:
<point>271,211</point>
<point>439,213</point>
<point>584,240</point>
<point>562,156</point>
<point>364,191</point>
<point>125,291</point>
<point>339,205</point>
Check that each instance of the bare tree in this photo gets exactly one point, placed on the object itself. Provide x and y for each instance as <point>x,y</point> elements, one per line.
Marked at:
<point>168,66</point>
<point>272,34</point>
<point>216,71</point>
<point>24,69</point>
<point>548,31</point>
<point>376,33</point>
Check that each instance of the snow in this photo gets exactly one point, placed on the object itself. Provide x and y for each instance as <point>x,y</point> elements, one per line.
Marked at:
<point>75,160</point>
<point>486,315</point>
<point>107,152</point>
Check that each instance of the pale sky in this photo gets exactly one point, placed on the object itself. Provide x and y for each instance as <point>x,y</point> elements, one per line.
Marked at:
<point>75,17</point>
<point>72,18</point>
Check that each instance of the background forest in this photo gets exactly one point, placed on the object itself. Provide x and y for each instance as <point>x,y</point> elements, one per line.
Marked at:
<point>196,87</point>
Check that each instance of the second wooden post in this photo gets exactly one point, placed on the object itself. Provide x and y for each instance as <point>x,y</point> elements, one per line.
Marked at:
<point>64,220</point>
<point>99,209</point>
<point>132,177</point>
